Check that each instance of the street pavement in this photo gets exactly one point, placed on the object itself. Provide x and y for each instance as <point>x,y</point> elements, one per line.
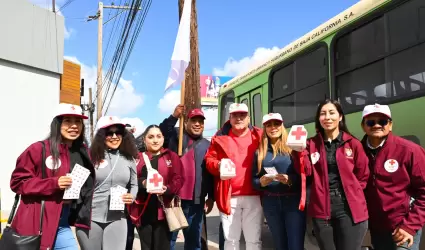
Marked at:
<point>213,223</point>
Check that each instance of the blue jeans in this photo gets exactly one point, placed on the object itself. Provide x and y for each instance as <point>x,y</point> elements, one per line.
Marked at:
<point>195,218</point>
<point>384,241</point>
<point>65,239</point>
<point>286,222</point>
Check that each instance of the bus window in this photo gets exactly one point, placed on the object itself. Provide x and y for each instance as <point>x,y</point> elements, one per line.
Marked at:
<point>394,74</point>
<point>245,101</point>
<point>257,110</point>
<point>297,88</point>
<point>226,100</point>
<point>286,107</point>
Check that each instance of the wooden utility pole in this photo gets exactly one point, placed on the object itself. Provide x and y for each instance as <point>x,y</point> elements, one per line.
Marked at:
<point>91,110</point>
<point>192,93</point>
<point>99,61</point>
<point>99,17</point>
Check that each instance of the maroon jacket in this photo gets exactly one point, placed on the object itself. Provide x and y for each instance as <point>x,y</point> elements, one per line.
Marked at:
<point>390,187</point>
<point>172,174</point>
<point>353,169</point>
<point>26,180</point>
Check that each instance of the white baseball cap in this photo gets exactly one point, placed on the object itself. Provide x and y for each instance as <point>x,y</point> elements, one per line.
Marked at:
<point>238,108</point>
<point>272,116</point>
<point>107,121</point>
<point>376,109</point>
<point>66,109</point>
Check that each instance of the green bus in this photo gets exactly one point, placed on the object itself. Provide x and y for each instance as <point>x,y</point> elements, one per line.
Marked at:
<point>373,52</point>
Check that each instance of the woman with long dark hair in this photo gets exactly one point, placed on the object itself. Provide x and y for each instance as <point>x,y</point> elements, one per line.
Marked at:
<point>114,155</point>
<point>274,174</point>
<point>147,213</point>
<point>64,149</point>
<point>339,169</point>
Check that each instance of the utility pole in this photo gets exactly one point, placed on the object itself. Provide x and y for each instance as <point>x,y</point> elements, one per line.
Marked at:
<point>99,61</point>
<point>99,17</point>
<point>192,80</point>
<point>54,6</point>
<point>91,111</point>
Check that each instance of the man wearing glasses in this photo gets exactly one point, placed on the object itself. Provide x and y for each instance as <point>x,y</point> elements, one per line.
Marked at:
<point>397,168</point>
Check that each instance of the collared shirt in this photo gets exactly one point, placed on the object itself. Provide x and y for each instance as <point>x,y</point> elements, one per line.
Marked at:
<point>374,150</point>
<point>333,172</point>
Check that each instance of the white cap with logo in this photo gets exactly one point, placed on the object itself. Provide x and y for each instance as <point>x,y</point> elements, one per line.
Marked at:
<point>66,109</point>
<point>376,109</point>
<point>107,121</point>
<point>272,116</point>
<point>238,108</point>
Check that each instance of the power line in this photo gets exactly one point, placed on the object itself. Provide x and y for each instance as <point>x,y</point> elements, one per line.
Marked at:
<point>128,32</point>
<point>66,4</point>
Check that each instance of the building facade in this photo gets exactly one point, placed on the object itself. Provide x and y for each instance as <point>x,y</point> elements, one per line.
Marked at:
<point>31,64</point>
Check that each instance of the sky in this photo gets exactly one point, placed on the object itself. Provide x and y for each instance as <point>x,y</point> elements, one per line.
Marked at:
<point>234,35</point>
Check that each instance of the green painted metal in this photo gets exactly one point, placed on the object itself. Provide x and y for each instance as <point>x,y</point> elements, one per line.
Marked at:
<point>405,122</point>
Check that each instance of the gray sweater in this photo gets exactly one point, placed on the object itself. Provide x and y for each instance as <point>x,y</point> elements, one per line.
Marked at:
<point>124,175</point>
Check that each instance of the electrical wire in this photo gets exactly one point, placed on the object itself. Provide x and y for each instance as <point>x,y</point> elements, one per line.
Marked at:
<point>65,5</point>
<point>138,16</point>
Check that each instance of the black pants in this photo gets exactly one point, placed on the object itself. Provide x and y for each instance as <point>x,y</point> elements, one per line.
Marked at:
<point>130,234</point>
<point>340,232</point>
<point>204,235</point>
<point>155,236</point>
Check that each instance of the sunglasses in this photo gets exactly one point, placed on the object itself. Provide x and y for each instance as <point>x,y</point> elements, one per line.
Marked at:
<point>116,132</point>
<point>382,122</point>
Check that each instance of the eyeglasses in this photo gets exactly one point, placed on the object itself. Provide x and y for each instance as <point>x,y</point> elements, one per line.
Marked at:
<point>382,122</point>
<point>117,133</point>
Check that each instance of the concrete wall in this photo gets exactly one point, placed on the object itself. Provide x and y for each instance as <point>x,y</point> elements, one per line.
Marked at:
<point>31,62</point>
<point>31,35</point>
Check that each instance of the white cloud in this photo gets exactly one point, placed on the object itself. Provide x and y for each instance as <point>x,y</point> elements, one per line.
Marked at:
<point>211,119</point>
<point>137,123</point>
<point>125,101</point>
<point>172,98</point>
<point>48,5</point>
<point>234,67</point>
<point>68,32</point>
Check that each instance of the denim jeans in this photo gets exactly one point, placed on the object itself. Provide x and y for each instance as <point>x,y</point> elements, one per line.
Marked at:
<point>65,239</point>
<point>286,222</point>
<point>195,218</point>
<point>384,241</point>
<point>339,232</point>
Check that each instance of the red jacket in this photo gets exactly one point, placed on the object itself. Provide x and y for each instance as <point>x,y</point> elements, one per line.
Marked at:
<point>390,187</point>
<point>353,169</point>
<point>172,174</point>
<point>222,147</point>
<point>26,180</point>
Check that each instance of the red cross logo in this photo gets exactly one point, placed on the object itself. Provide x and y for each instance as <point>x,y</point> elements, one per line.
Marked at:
<point>230,167</point>
<point>237,104</point>
<point>72,107</point>
<point>155,180</point>
<point>392,162</point>
<point>299,133</point>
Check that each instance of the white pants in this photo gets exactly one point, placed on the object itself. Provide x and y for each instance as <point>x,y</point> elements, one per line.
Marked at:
<point>246,216</point>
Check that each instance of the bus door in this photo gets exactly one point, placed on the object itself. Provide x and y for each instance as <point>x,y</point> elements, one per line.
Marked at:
<point>253,100</point>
